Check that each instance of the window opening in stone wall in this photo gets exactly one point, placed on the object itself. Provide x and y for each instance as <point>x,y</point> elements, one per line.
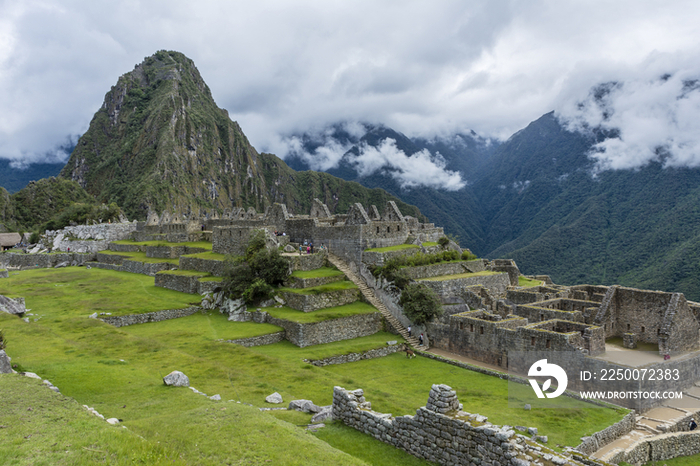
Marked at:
<point>605,327</point>
<point>642,329</point>
<point>461,325</point>
<point>481,330</point>
<point>541,317</point>
<point>398,228</point>
<point>628,327</point>
<point>388,229</point>
<point>532,341</point>
<point>549,343</point>
<point>658,332</point>
<point>471,327</point>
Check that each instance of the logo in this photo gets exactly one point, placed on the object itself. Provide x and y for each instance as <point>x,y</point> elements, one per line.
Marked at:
<point>542,369</point>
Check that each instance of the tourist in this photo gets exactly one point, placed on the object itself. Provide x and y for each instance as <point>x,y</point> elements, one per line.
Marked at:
<point>420,340</point>
<point>311,245</point>
<point>308,249</point>
<point>693,425</point>
<point>300,249</point>
<point>409,331</point>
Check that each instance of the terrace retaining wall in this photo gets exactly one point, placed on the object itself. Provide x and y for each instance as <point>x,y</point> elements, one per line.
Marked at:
<point>327,331</point>
<point>297,282</point>
<point>20,260</point>
<point>182,283</point>
<point>157,316</point>
<point>212,266</point>
<point>353,357</point>
<point>660,448</point>
<point>314,302</point>
<point>261,340</point>
<point>455,286</point>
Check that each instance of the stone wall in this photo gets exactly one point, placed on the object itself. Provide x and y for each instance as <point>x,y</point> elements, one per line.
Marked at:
<point>182,283</point>
<point>380,258</point>
<point>261,340</point>
<point>654,316</point>
<point>297,282</point>
<point>89,238</point>
<point>13,259</point>
<point>439,432</point>
<point>314,302</point>
<point>145,268</point>
<point>328,331</point>
<point>306,262</point>
<point>123,321</point>
<point>214,267</point>
<point>4,273</point>
<point>354,357</point>
<point>590,445</point>
<point>126,247</point>
<point>440,269</point>
<point>536,313</point>
<point>171,252</point>
<point>454,287</point>
<point>660,448</point>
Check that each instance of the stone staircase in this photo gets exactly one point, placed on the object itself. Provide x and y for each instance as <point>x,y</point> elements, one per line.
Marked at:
<point>374,301</point>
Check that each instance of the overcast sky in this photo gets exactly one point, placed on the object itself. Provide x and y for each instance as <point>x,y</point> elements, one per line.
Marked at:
<point>420,67</point>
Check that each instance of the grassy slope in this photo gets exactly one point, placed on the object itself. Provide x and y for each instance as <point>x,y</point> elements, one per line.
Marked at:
<point>118,371</point>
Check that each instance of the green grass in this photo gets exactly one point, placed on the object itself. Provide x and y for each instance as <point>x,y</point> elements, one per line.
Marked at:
<point>211,279</point>
<point>76,291</point>
<point>528,282</point>
<point>201,327</point>
<point>286,350</point>
<point>327,288</point>
<point>317,273</point>
<point>393,248</point>
<point>682,461</point>
<point>459,275</point>
<point>430,244</point>
<point>184,273</point>
<point>192,244</point>
<point>366,448</point>
<point>328,313</point>
<point>212,256</point>
<point>140,257</point>
<point>118,371</point>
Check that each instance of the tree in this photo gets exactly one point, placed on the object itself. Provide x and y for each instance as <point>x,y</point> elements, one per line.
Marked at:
<point>420,303</point>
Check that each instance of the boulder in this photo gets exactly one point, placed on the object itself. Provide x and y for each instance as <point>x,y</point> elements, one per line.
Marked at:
<point>5,365</point>
<point>275,398</point>
<point>176,379</point>
<point>61,264</point>
<point>305,406</point>
<point>113,420</point>
<point>326,413</point>
<point>12,306</point>
<point>31,375</point>
<point>289,248</point>
<point>216,397</point>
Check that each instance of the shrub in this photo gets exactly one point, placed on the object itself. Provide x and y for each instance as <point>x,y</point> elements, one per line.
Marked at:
<point>443,241</point>
<point>467,255</point>
<point>257,291</point>
<point>420,303</point>
<point>3,340</point>
<point>270,266</point>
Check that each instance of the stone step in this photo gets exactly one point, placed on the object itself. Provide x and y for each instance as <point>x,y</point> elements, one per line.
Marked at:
<point>371,297</point>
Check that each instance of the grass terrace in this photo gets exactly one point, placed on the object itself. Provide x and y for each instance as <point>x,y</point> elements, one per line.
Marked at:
<point>119,371</point>
<point>57,294</point>
<point>460,275</point>
<point>212,256</point>
<point>528,282</point>
<point>328,313</point>
<point>317,273</point>
<point>335,286</point>
<point>192,244</point>
<point>287,350</point>
<point>398,247</point>
<point>184,273</point>
<point>211,279</point>
<point>140,257</point>
<point>201,327</point>
<point>430,244</point>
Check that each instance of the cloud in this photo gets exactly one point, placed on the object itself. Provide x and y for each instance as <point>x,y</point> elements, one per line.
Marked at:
<point>410,171</point>
<point>282,67</point>
<point>649,111</point>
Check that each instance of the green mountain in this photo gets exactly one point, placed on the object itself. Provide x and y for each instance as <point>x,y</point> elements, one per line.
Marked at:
<point>14,179</point>
<point>159,142</point>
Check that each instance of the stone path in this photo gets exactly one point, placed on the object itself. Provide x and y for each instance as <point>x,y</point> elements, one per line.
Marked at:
<point>649,423</point>
<point>373,300</point>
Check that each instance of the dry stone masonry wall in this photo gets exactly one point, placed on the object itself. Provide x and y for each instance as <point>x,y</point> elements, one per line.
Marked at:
<point>123,321</point>
<point>440,432</point>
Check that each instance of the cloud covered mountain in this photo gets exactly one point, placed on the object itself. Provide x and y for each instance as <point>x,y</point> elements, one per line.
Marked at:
<point>544,197</point>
